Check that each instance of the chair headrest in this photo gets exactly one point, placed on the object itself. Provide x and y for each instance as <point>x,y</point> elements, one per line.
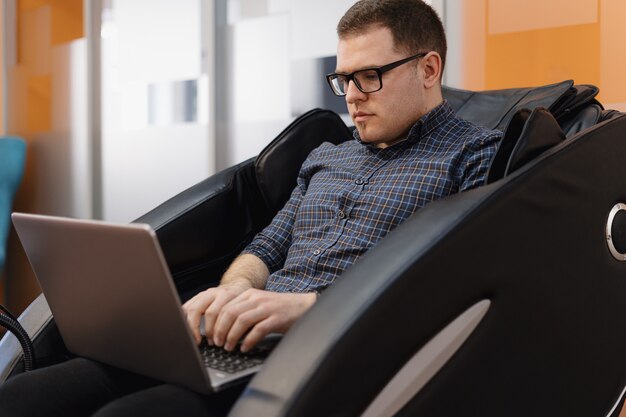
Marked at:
<point>513,131</point>
<point>541,132</point>
<point>495,108</point>
<point>528,134</point>
<point>277,166</point>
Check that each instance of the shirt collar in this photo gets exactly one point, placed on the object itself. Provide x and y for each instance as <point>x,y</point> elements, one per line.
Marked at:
<point>427,123</point>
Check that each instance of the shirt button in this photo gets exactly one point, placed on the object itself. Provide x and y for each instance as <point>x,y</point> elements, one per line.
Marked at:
<point>317,252</point>
<point>358,182</point>
<point>341,214</point>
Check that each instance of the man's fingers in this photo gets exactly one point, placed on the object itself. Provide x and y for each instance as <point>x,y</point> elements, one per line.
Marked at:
<point>258,332</point>
<point>206,306</point>
<point>230,312</point>
<point>227,317</point>
<point>259,313</point>
<point>211,314</point>
<point>194,309</point>
<point>244,322</point>
<point>223,296</point>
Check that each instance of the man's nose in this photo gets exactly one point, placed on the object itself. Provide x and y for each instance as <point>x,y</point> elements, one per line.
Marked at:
<point>353,94</point>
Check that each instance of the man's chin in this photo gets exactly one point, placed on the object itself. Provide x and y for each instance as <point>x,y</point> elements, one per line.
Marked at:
<point>366,134</point>
<point>368,137</point>
<point>375,140</point>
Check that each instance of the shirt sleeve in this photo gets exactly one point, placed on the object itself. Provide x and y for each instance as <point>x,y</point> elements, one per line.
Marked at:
<point>477,160</point>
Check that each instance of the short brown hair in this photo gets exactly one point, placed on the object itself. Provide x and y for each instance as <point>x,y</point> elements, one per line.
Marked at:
<point>415,26</point>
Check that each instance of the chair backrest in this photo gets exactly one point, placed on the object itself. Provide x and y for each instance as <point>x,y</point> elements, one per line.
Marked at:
<point>278,164</point>
<point>528,134</point>
<point>533,245</point>
<point>532,119</point>
<point>495,108</point>
<point>12,158</point>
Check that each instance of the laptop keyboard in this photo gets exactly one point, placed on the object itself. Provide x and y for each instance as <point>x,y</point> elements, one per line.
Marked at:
<point>235,361</point>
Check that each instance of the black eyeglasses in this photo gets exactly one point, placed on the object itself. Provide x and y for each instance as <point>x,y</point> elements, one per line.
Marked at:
<point>367,80</point>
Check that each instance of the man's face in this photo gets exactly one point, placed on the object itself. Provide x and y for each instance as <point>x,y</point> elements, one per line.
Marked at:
<point>385,116</point>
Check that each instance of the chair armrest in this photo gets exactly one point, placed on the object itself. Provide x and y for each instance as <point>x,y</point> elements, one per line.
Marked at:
<point>202,229</point>
<point>34,319</point>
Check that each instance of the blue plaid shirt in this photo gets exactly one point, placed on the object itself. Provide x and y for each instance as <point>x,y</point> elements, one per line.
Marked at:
<point>349,196</point>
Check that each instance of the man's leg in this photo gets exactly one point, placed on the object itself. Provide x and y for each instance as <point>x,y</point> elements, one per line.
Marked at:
<point>171,401</point>
<point>77,387</point>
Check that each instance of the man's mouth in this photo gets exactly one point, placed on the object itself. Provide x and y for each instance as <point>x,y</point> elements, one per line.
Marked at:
<point>361,116</point>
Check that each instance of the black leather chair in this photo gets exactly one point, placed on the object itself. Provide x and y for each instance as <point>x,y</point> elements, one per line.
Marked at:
<point>499,301</point>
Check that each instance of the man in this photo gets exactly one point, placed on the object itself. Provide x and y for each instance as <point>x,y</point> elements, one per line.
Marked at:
<point>409,149</point>
<point>443,155</point>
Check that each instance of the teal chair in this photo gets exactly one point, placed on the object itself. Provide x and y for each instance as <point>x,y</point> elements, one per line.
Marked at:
<point>12,158</point>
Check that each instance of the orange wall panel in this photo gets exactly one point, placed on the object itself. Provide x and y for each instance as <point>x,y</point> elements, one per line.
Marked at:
<point>613,52</point>
<point>473,28</point>
<point>27,5</point>
<point>67,20</point>
<point>39,103</point>
<point>33,42</point>
<point>507,43</point>
<point>507,16</point>
<point>543,56</point>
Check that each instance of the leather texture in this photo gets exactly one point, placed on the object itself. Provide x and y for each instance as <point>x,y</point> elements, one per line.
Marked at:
<point>573,106</point>
<point>203,228</point>
<point>277,166</point>
<point>511,134</point>
<point>579,111</point>
<point>583,119</point>
<point>494,108</point>
<point>541,132</point>
<point>552,342</point>
<point>528,134</point>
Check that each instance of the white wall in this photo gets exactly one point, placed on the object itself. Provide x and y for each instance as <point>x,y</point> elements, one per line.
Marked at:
<point>150,153</point>
<point>257,49</point>
<point>62,156</point>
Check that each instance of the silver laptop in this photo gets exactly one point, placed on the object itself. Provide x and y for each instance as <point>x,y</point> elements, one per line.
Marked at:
<point>114,301</point>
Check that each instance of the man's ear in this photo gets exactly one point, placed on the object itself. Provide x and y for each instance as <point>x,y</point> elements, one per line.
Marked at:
<point>431,66</point>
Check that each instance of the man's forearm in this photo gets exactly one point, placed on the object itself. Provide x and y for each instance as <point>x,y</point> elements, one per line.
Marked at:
<point>246,269</point>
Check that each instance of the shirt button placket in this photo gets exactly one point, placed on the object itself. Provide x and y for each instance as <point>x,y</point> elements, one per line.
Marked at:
<point>316,252</point>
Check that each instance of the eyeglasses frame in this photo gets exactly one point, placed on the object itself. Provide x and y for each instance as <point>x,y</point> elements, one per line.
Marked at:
<point>379,71</point>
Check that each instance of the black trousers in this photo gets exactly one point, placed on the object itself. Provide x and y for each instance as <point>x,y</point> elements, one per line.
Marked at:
<point>81,387</point>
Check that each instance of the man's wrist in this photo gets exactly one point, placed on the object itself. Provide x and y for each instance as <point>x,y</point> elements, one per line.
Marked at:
<point>237,282</point>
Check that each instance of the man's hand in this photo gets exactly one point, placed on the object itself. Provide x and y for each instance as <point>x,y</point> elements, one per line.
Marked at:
<point>259,313</point>
<point>209,303</point>
<point>247,271</point>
